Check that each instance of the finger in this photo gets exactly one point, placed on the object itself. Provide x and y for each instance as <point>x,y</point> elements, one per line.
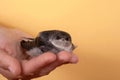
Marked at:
<point>62,58</point>
<point>9,66</point>
<point>74,59</point>
<point>6,73</point>
<point>38,62</point>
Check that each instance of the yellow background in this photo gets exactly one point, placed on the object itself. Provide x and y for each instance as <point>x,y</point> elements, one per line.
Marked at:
<point>93,24</point>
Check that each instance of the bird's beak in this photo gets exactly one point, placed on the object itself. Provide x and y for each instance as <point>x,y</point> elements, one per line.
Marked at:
<point>73,46</point>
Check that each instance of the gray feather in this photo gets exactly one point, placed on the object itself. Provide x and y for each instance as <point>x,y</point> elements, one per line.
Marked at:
<point>51,40</point>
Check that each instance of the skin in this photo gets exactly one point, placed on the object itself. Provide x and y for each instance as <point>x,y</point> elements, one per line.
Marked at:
<point>12,66</point>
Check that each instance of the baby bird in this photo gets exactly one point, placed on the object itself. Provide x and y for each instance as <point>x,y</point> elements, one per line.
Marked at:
<point>48,41</point>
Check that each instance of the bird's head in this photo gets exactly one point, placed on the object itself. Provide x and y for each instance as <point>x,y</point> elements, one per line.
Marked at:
<point>59,39</point>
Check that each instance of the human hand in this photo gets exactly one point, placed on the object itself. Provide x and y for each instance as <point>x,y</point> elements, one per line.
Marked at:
<point>45,63</point>
<point>13,68</point>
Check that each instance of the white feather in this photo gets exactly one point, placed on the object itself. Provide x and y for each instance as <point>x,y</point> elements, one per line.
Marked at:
<point>62,45</point>
<point>34,52</point>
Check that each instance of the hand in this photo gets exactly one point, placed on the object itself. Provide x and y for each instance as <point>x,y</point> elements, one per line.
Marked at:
<point>45,63</point>
<point>12,67</point>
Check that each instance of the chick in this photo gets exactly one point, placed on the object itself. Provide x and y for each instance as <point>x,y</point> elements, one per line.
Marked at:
<point>48,41</point>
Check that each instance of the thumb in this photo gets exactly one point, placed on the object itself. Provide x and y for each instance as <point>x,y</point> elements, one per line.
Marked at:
<point>9,66</point>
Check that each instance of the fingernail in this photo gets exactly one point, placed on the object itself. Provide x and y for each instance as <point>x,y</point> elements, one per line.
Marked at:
<point>74,60</point>
<point>11,69</point>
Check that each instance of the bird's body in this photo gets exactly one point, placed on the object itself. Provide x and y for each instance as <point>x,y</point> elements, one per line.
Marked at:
<point>51,40</point>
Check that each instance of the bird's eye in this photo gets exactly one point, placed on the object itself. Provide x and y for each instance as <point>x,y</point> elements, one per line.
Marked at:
<point>67,39</point>
<point>58,37</point>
